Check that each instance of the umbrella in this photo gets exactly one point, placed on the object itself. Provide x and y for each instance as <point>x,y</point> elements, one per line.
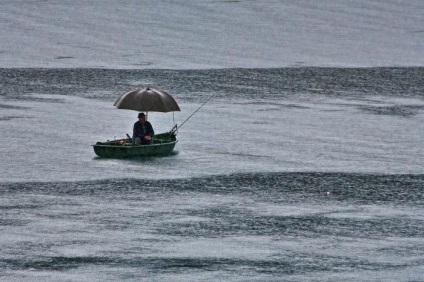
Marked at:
<point>147,100</point>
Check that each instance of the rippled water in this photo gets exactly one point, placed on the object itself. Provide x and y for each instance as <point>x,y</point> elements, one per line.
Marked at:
<point>297,174</point>
<point>268,226</point>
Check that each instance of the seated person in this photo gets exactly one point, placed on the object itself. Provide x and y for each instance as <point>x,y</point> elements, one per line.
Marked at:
<point>143,131</point>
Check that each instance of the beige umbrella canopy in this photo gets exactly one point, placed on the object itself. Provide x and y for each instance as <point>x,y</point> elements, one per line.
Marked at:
<point>147,100</point>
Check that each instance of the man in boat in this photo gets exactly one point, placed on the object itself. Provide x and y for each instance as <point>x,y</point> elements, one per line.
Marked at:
<point>143,131</point>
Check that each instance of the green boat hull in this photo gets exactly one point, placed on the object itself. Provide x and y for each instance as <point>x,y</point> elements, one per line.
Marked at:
<point>163,144</point>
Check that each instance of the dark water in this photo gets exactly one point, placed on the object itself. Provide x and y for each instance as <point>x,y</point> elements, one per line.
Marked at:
<point>267,226</point>
<point>229,83</point>
<point>333,193</point>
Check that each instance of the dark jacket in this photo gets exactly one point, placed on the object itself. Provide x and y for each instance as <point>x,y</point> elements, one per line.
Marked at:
<point>143,130</point>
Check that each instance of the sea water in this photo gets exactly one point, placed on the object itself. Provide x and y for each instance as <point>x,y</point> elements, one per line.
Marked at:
<point>285,174</point>
<point>306,163</point>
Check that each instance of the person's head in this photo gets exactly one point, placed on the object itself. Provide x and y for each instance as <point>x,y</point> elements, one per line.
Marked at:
<point>141,117</point>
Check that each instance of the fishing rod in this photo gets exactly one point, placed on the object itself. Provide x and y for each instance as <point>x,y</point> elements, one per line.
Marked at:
<point>175,128</point>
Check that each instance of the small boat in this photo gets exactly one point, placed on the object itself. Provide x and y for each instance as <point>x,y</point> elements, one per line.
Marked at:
<point>163,144</point>
<point>149,100</point>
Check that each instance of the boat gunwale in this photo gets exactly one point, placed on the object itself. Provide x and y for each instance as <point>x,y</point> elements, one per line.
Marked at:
<point>130,145</point>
